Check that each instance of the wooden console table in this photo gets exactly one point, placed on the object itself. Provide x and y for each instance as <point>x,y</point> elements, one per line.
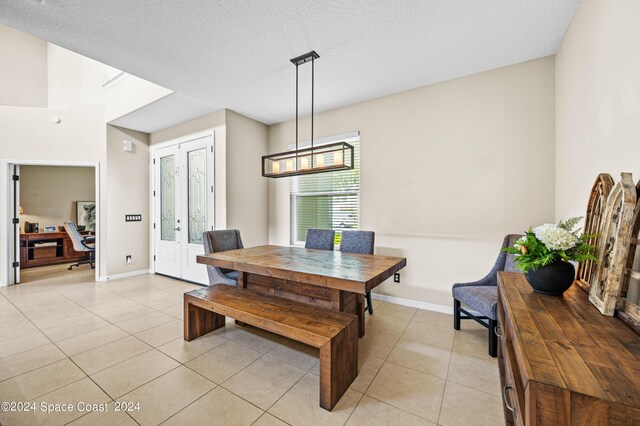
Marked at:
<point>48,248</point>
<point>561,361</point>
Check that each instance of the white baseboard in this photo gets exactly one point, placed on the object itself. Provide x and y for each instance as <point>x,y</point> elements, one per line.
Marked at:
<point>124,275</point>
<point>413,303</point>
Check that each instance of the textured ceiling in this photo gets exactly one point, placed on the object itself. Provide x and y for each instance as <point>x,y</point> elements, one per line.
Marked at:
<point>235,54</point>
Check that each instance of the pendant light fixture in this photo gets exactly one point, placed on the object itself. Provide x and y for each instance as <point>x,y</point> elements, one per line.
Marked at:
<point>314,159</point>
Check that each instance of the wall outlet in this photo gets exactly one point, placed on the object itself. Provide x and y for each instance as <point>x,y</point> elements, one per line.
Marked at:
<point>128,259</point>
<point>396,277</point>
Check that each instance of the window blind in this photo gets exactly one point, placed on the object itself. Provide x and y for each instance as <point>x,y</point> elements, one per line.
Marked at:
<point>326,200</point>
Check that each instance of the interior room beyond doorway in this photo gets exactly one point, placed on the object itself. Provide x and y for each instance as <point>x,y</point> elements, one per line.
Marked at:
<point>49,196</point>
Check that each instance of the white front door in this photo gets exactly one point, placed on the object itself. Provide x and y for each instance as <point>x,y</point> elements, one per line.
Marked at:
<point>183,207</point>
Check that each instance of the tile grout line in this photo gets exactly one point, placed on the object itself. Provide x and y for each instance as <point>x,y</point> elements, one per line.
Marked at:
<point>269,414</point>
<point>220,385</point>
<point>383,362</point>
<point>446,380</point>
<point>129,334</point>
<point>71,360</point>
<point>152,348</point>
<point>390,362</point>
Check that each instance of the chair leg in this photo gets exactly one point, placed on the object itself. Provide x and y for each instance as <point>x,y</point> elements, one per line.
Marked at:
<point>369,304</point>
<point>456,314</point>
<point>90,262</point>
<point>493,339</point>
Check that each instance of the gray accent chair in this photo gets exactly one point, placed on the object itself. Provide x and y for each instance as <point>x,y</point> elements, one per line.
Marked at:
<point>482,296</point>
<point>82,244</point>
<point>216,242</point>
<point>361,242</point>
<point>320,239</point>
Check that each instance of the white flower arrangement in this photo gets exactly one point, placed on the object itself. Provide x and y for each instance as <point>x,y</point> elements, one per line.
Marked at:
<point>555,237</point>
<point>550,243</point>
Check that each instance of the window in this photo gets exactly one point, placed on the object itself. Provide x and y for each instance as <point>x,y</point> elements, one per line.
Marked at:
<point>326,200</point>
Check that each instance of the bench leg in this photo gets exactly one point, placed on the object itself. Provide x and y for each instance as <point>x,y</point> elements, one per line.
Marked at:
<point>199,321</point>
<point>338,366</point>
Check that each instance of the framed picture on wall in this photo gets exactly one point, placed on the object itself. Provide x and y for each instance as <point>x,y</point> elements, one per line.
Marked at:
<point>86,214</point>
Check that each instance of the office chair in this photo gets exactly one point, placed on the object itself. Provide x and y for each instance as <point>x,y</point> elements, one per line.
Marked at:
<point>81,244</point>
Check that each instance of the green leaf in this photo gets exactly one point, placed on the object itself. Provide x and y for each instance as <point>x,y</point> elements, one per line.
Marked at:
<point>570,223</point>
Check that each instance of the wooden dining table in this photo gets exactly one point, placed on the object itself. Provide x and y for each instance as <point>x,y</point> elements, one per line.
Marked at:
<point>330,279</point>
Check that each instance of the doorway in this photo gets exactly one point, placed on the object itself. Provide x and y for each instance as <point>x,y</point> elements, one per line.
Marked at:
<point>183,206</point>
<point>39,197</point>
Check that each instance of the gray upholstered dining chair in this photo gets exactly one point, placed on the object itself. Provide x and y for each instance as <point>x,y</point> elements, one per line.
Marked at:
<point>215,242</point>
<point>320,239</point>
<point>482,296</point>
<point>81,243</point>
<point>362,242</point>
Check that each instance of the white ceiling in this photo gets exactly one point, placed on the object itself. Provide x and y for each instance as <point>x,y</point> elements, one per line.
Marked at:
<point>235,54</point>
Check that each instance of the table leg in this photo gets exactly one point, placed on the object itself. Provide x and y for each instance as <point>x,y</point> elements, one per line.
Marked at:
<point>360,312</point>
<point>242,283</point>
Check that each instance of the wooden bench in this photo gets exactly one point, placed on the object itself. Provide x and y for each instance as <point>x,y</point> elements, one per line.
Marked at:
<point>334,333</point>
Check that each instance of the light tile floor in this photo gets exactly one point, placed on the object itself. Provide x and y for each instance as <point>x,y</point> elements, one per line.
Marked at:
<point>68,339</point>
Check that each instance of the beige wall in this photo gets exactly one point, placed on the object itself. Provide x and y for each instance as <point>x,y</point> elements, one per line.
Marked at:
<point>446,171</point>
<point>48,194</point>
<point>198,124</point>
<point>74,80</point>
<point>247,190</point>
<point>597,100</point>
<point>128,193</point>
<point>23,69</point>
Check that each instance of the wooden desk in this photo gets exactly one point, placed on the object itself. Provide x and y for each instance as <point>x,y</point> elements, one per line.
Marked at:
<point>562,362</point>
<point>329,279</point>
<point>58,249</point>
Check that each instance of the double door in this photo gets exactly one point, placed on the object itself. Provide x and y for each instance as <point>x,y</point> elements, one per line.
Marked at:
<point>183,207</point>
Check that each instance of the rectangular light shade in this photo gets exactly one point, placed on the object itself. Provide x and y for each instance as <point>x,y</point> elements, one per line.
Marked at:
<point>324,158</point>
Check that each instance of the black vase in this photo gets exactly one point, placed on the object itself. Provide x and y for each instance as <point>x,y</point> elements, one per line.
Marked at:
<point>553,279</point>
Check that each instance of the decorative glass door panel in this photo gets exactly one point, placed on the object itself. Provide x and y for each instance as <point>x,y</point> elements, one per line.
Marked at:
<point>197,198</point>
<point>167,198</point>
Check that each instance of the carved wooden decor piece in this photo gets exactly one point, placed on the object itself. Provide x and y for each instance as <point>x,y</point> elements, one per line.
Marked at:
<point>613,245</point>
<point>587,271</point>
<point>627,307</point>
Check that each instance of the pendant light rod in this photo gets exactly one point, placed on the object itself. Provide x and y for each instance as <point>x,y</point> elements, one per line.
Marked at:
<point>296,107</point>
<point>313,79</point>
<point>297,61</point>
<point>303,59</point>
